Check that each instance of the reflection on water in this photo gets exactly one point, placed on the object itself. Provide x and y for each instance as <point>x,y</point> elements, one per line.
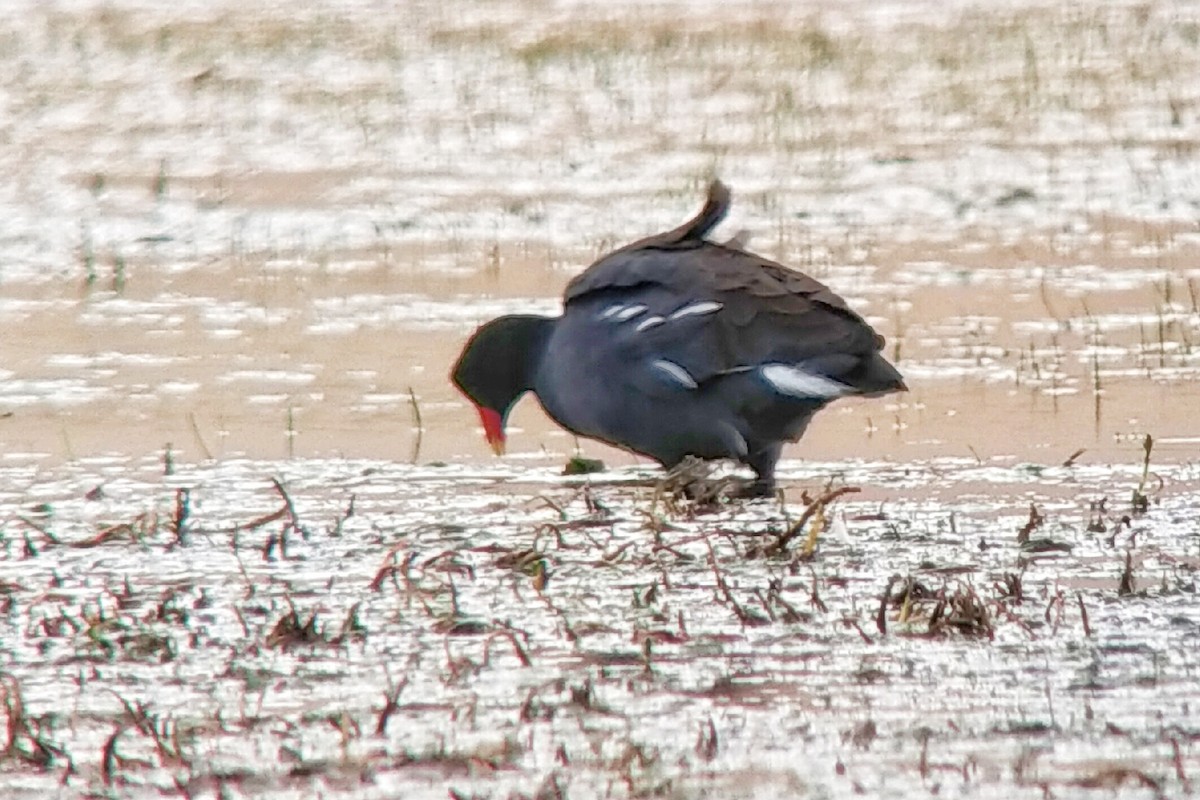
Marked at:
<point>243,232</point>
<point>422,584</point>
<point>244,242</point>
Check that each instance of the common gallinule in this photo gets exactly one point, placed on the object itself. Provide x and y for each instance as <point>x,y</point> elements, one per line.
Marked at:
<point>675,346</point>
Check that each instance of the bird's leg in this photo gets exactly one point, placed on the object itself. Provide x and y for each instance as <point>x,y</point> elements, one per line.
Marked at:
<point>756,488</point>
<point>762,461</point>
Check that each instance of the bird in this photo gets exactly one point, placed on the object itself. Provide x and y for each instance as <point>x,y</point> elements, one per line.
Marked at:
<point>676,346</point>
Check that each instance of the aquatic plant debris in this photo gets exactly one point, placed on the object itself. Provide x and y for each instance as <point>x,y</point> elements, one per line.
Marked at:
<point>497,647</point>
<point>254,548</point>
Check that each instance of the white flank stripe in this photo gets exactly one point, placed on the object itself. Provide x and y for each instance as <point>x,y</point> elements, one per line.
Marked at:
<point>696,309</point>
<point>791,380</point>
<point>650,322</point>
<point>675,371</point>
<point>630,313</point>
<point>614,308</point>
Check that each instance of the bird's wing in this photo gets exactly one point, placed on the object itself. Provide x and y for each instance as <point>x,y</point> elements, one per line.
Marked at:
<point>711,310</point>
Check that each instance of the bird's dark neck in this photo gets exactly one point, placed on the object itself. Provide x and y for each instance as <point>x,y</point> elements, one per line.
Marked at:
<point>501,361</point>
<point>526,335</point>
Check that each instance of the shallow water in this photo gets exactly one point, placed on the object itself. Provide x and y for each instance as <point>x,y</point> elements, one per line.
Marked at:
<point>243,242</point>
<point>243,233</point>
<point>505,688</point>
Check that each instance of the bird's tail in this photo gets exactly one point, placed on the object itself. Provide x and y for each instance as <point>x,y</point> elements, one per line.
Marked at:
<point>716,206</point>
<point>875,376</point>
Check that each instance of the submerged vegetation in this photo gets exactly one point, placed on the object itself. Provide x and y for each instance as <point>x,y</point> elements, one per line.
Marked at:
<point>218,629</point>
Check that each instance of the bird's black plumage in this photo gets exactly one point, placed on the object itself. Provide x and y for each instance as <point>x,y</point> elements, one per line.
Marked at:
<point>676,345</point>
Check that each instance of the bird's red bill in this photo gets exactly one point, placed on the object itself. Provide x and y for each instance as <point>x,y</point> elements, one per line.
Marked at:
<point>493,429</point>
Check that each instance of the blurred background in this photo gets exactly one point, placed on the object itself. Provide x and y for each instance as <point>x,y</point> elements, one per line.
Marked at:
<point>231,228</point>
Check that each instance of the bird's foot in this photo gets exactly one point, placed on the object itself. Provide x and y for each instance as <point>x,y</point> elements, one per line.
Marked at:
<point>693,480</point>
<point>756,488</point>
<point>688,472</point>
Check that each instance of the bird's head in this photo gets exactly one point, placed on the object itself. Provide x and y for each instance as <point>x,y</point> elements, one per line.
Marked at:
<point>497,366</point>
